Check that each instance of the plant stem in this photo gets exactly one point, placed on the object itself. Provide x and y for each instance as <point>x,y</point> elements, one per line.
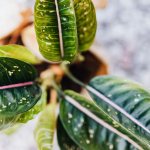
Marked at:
<point>53,95</point>
<point>69,74</point>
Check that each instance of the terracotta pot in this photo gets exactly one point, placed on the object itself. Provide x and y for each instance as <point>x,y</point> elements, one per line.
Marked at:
<point>100,3</point>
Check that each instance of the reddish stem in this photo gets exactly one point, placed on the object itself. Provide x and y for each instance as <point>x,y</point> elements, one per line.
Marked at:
<point>16,85</point>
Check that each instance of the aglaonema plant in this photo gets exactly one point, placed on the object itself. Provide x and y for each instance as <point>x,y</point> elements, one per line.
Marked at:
<point>115,114</point>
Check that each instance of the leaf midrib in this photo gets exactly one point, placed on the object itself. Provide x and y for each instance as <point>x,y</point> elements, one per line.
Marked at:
<point>122,127</point>
<point>59,29</point>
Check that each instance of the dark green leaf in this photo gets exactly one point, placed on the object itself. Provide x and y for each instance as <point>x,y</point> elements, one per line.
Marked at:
<point>131,98</point>
<point>65,142</point>
<point>14,71</point>
<point>30,114</point>
<point>13,123</point>
<point>87,132</point>
<point>18,52</point>
<point>17,100</point>
<point>64,27</point>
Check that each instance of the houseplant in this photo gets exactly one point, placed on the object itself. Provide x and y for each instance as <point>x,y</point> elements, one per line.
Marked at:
<point>114,116</point>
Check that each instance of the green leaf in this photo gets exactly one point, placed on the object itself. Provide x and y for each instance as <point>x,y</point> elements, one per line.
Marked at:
<point>64,27</point>
<point>64,141</point>
<point>109,140</point>
<point>45,129</point>
<point>17,100</point>
<point>30,114</point>
<point>18,52</point>
<point>132,99</point>
<point>82,123</point>
<point>86,23</point>
<point>14,123</point>
<point>13,71</point>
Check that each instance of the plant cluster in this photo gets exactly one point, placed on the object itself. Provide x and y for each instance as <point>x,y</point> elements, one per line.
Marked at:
<point>114,112</point>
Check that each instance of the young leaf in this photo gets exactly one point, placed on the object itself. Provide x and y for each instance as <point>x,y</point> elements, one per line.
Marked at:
<point>82,123</point>
<point>45,129</point>
<point>18,52</point>
<point>64,27</point>
<point>18,90</point>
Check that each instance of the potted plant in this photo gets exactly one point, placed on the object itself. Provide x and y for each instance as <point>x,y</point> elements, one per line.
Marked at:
<point>78,110</point>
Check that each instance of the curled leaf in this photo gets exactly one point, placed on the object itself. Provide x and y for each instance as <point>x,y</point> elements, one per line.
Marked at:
<point>64,27</point>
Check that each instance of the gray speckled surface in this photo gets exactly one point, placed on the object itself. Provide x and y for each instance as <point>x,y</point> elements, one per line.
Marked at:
<point>124,37</point>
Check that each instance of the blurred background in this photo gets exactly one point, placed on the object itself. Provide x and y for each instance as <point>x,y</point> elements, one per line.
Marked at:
<point>122,40</point>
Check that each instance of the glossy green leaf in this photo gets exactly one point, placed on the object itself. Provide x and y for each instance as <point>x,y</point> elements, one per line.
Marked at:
<point>14,71</point>
<point>109,140</point>
<point>131,98</point>
<point>64,27</point>
<point>87,132</point>
<point>30,114</point>
<point>86,23</point>
<point>18,52</point>
<point>64,141</point>
<point>45,129</point>
<point>13,123</point>
<point>17,100</point>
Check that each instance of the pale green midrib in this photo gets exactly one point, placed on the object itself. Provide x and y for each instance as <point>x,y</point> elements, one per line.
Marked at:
<point>131,133</point>
<point>144,141</point>
<point>60,30</point>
